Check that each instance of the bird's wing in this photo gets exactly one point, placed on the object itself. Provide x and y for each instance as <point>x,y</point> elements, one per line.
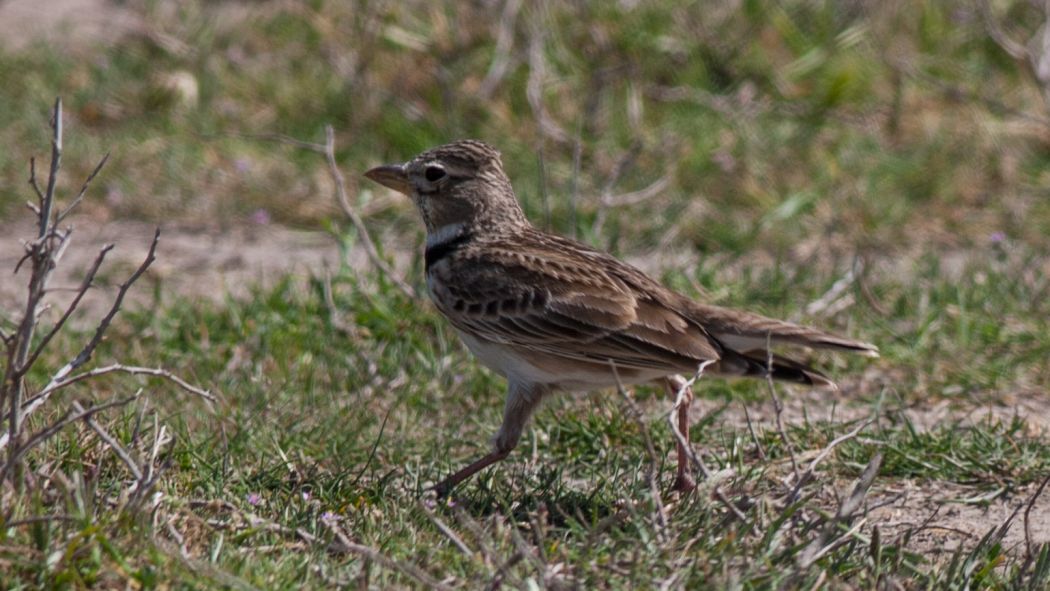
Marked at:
<point>560,298</point>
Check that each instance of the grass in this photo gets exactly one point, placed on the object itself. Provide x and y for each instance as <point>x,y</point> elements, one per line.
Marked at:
<point>317,425</point>
<point>794,145</point>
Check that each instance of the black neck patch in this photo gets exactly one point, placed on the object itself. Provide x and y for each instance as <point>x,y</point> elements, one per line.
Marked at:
<point>441,250</point>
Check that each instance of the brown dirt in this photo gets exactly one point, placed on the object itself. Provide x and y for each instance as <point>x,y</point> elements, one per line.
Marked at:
<point>943,515</point>
<point>190,263</point>
<point>71,23</point>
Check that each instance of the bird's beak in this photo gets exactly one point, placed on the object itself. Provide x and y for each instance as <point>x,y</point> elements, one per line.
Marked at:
<point>393,176</point>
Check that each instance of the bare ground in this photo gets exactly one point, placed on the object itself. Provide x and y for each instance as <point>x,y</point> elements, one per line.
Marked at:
<point>72,23</point>
<point>191,263</point>
<point>941,516</point>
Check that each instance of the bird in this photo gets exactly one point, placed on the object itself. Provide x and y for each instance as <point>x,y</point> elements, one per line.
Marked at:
<point>551,314</point>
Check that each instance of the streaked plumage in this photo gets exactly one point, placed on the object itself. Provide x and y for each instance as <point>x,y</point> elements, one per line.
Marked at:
<point>550,313</point>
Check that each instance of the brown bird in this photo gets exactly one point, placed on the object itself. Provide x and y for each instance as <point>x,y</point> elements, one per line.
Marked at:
<point>549,313</point>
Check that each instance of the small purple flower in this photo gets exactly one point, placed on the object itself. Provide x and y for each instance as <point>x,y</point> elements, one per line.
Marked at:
<point>997,237</point>
<point>306,495</point>
<point>329,516</point>
<point>260,217</point>
<point>429,503</point>
<point>254,499</point>
<point>242,165</point>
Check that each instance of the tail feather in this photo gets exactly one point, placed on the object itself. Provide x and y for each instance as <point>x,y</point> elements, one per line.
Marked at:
<point>745,331</point>
<point>757,365</point>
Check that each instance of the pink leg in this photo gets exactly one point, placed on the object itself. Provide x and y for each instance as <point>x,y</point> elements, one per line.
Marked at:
<point>683,481</point>
<point>445,486</point>
<point>522,399</point>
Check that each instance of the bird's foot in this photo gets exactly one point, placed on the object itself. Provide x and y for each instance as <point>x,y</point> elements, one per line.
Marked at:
<point>684,484</point>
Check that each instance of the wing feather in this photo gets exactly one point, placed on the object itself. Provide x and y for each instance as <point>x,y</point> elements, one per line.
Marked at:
<point>574,307</point>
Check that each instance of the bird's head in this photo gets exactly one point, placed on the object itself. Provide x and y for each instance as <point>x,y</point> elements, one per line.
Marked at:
<point>458,183</point>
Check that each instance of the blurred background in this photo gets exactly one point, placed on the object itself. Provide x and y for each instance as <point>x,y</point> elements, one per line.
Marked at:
<point>796,129</point>
<point>878,168</point>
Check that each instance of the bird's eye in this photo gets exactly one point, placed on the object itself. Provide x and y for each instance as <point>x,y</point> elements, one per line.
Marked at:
<point>434,173</point>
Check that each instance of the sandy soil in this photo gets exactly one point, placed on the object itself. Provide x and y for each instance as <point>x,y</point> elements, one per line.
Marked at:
<point>190,263</point>
<point>943,515</point>
<point>73,23</point>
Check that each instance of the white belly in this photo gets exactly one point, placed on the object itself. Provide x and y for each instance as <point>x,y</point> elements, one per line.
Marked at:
<point>567,376</point>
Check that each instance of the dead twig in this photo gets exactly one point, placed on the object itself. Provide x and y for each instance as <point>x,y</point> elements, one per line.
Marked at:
<point>778,407</point>
<point>18,451</point>
<point>52,176</point>
<point>1027,513</point>
<point>651,472</point>
<point>406,568</point>
<point>635,197</point>
<point>111,441</point>
<point>447,531</point>
<point>85,354</point>
<point>83,189</point>
<point>808,475</point>
<point>83,289</point>
<point>359,224</point>
<point>819,546</point>
<point>716,491</point>
<point>754,436</point>
<point>34,403</point>
<point>534,85</point>
<point>501,57</point>
<point>43,253</point>
<point>335,318</point>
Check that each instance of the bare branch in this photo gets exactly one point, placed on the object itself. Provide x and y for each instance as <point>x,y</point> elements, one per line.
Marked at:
<point>44,254</point>
<point>501,56</point>
<point>56,163</point>
<point>754,436</point>
<point>635,197</point>
<point>83,189</point>
<point>996,32</point>
<point>43,435</point>
<point>100,331</point>
<point>534,87</point>
<point>84,286</point>
<point>279,138</point>
<point>449,533</point>
<point>41,397</point>
<point>36,186</point>
<point>335,318</point>
<point>359,225</point>
<point>112,442</point>
<point>117,368</point>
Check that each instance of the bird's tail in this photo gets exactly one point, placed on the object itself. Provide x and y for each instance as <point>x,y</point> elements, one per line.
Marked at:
<point>757,364</point>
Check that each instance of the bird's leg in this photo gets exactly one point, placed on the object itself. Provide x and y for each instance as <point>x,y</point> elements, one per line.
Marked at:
<point>522,400</point>
<point>675,385</point>
<point>445,486</point>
